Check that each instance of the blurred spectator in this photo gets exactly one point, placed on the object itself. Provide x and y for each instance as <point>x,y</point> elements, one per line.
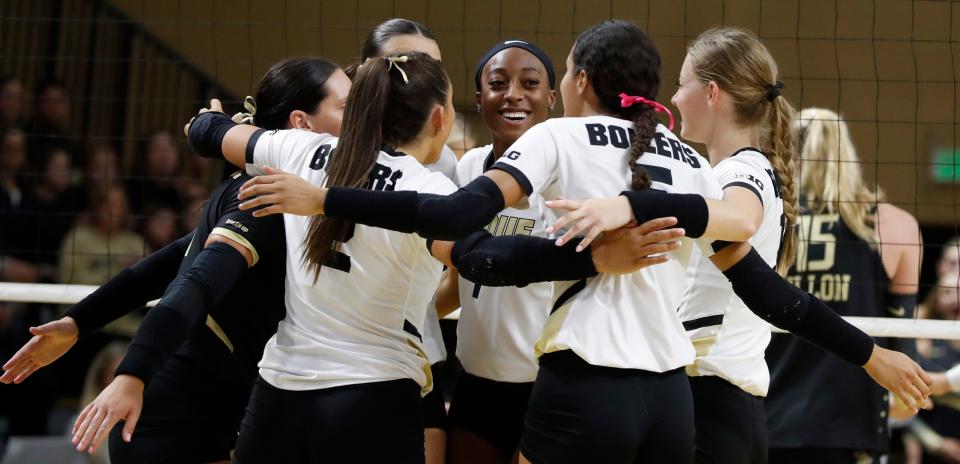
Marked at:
<point>949,262</point>
<point>938,430</point>
<point>190,214</point>
<point>94,252</point>
<point>154,180</point>
<point>11,102</point>
<point>50,126</point>
<point>99,173</point>
<point>51,210</point>
<point>13,266</point>
<point>159,228</point>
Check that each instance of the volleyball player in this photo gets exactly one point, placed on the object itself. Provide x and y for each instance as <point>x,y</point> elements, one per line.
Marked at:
<point>498,325</point>
<point>391,37</point>
<point>347,361</point>
<point>862,257</point>
<point>628,351</point>
<point>197,378</point>
<point>729,99</point>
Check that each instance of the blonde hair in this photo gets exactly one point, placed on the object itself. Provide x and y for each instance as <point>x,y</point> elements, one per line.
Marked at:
<point>830,176</point>
<point>744,69</point>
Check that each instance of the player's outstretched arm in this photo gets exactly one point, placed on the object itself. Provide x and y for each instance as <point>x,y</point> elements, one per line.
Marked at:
<point>185,306</point>
<point>733,219</point>
<point>126,292</point>
<point>516,260</point>
<point>50,341</point>
<point>772,298</point>
<point>440,217</point>
<point>122,400</point>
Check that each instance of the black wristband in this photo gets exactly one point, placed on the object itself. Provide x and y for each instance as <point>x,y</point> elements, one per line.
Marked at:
<point>131,289</point>
<point>690,209</point>
<point>772,298</point>
<point>518,260</point>
<point>206,133</point>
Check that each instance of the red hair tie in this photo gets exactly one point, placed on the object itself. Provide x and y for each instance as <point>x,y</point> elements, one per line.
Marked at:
<point>626,101</point>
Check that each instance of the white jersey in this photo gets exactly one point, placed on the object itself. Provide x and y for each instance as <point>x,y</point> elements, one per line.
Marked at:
<point>432,336</point>
<point>729,339</point>
<point>626,321</point>
<point>499,325</point>
<point>360,321</point>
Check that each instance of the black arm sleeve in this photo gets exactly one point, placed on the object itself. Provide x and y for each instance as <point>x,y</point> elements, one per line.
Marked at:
<point>518,260</point>
<point>206,133</point>
<point>770,296</point>
<point>438,217</point>
<point>182,310</point>
<point>902,306</point>
<point>131,289</point>
<point>690,209</point>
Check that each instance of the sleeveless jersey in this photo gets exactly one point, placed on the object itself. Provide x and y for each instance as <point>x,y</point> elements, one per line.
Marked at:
<point>817,399</point>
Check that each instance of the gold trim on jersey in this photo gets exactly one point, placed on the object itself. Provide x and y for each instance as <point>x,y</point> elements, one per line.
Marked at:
<point>702,346</point>
<point>218,331</point>
<point>425,366</point>
<point>546,342</point>
<point>239,239</point>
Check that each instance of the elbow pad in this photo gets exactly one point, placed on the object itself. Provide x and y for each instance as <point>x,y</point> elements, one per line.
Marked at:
<point>437,217</point>
<point>772,298</point>
<point>206,134</point>
<point>518,260</point>
<point>183,308</point>
<point>690,209</point>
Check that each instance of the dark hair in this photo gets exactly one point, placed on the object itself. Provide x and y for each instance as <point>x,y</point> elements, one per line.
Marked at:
<point>378,37</point>
<point>292,84</point>
<point>389,103</point>
<point>618,57</point>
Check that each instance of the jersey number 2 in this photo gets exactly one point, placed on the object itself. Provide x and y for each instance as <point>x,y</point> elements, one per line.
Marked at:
<point>338,259</point>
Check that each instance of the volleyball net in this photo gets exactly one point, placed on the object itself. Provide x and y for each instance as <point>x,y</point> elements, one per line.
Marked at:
<point>873,326</point>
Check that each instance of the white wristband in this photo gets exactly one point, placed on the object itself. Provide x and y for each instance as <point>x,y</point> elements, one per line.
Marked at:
<point>953,378</point>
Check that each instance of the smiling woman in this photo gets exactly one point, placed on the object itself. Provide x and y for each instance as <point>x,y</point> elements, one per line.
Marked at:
<point>498,325</point>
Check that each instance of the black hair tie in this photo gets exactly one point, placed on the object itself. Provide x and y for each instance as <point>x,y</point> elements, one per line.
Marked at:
<point>773,91</point>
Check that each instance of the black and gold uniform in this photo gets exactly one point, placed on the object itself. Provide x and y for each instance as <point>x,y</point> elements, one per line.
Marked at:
<point>821,407</point>
<point>197,350</point>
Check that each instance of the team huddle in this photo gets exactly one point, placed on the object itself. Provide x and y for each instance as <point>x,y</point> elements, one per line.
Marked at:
<point>617,288</point>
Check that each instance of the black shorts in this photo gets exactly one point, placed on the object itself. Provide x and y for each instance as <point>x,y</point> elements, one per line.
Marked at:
<point>434,406</point>
<point>731,424</point>
<point>584,413</point>
<point>491,409</point>
<point>191,409</point>
<point>371,422</point>
<point>823,456</point>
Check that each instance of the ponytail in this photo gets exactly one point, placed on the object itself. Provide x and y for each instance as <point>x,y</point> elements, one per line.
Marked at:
<point>357,151</point>
<point>645,122</point>
<point>389,104</point>
<point>779,148</point>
